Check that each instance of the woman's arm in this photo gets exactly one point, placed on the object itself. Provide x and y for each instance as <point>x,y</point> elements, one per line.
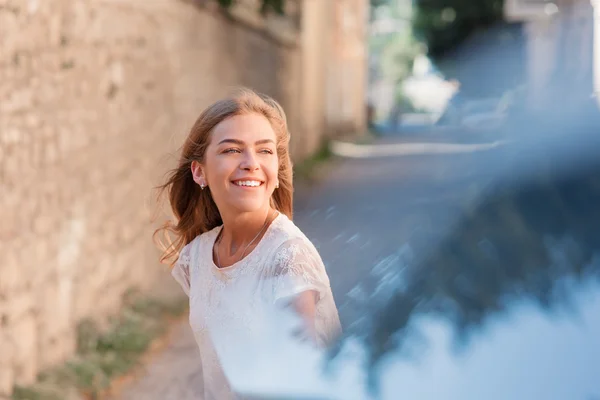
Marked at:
<point>305,305</point>
<point>300,283</point>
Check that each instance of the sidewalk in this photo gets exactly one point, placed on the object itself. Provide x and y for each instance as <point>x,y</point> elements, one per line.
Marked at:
<point>400,148</point>
<point>172,374</point>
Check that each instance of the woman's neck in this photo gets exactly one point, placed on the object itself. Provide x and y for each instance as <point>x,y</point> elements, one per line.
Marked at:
<point>240,229</point>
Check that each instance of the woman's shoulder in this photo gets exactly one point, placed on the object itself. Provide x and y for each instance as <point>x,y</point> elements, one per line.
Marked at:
<point>208,235</point>
<point>198,241</point>
<point>296,260</point>
<point>285,230</point>
<point>288,237</point>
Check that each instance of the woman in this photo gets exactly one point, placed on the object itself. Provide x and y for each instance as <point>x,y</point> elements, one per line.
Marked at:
<point>236,250</point>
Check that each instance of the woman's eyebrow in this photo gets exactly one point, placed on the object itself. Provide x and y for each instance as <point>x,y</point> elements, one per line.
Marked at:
<point>241,142</point>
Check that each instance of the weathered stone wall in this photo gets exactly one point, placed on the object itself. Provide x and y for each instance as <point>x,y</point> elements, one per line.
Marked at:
<point>93,96</point>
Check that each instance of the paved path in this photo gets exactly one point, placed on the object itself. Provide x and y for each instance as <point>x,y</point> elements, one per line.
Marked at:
<point>173,374</point>
<point>363,211</point>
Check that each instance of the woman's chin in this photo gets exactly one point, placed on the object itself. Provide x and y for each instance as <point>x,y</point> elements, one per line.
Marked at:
<point>249,206</point>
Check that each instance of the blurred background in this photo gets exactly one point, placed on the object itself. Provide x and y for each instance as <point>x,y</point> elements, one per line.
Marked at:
<point>447,166</point>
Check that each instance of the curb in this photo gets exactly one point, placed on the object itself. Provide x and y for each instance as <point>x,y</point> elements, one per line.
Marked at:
<point>351,150</point>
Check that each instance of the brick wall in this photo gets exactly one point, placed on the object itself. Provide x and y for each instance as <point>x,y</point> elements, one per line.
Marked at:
<point>93,96</point>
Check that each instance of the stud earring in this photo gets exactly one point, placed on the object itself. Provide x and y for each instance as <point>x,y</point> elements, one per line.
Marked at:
<point>202,186</point>
<point>277,185</point>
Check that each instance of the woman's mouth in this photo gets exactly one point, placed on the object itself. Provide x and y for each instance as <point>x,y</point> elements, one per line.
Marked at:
<point>247,183</point>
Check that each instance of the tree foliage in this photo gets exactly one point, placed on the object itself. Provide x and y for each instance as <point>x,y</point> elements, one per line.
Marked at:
<point>398,56</point>
<point>278,6</point>
<point>442,24</point>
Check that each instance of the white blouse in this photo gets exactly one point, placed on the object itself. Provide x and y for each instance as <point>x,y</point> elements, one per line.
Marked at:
<point>232,300</point>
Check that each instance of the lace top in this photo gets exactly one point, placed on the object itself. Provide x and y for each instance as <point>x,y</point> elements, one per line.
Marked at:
<point>232,300</point>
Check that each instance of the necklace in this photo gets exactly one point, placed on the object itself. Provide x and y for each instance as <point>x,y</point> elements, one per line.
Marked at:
<point>247,246</point>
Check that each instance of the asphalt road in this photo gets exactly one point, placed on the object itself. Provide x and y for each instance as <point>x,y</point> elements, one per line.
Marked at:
<point>366,209</point>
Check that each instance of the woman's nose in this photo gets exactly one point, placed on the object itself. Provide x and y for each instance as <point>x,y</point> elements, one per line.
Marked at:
<point>249,163</point>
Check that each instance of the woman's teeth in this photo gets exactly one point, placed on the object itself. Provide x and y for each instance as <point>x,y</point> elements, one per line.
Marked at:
<point>247,183</point>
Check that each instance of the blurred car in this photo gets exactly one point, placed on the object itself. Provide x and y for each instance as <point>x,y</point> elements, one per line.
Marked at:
<point>505,304</point>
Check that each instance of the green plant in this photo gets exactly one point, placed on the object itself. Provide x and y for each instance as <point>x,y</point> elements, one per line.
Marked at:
<point>103,355</point>
<point>278,6</point>
<point>443,24</point>
<point>398,56</point>
<point>29,393</point>
<point>307,170</point>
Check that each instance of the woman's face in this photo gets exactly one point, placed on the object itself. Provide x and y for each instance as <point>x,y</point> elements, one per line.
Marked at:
<point>240,164</point>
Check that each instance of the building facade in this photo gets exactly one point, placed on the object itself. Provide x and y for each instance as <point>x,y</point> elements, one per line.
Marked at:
<point>561,50</point>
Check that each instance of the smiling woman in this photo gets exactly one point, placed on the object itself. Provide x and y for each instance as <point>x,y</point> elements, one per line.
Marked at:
<point>236,252</point>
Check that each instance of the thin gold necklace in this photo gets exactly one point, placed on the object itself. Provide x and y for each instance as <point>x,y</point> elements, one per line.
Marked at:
<point>247,246</point>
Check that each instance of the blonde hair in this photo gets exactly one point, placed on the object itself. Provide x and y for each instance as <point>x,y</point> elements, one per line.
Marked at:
<point>194,209</point>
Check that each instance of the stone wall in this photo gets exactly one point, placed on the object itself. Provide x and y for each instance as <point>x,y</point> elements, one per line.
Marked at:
<point>94,96</point>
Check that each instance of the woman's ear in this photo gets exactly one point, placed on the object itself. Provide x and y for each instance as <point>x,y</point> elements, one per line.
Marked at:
<point>198,174</point>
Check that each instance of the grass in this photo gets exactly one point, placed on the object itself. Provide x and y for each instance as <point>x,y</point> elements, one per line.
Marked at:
<point>104,355</point>
<point>311,169</point>
<point>308,169</point>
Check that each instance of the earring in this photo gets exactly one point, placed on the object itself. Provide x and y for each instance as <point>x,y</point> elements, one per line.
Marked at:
<point>202,186</point>
<point>277,185</point>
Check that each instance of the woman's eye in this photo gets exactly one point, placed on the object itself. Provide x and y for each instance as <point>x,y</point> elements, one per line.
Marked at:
<point>232,151</point>
<point>266,151</point>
